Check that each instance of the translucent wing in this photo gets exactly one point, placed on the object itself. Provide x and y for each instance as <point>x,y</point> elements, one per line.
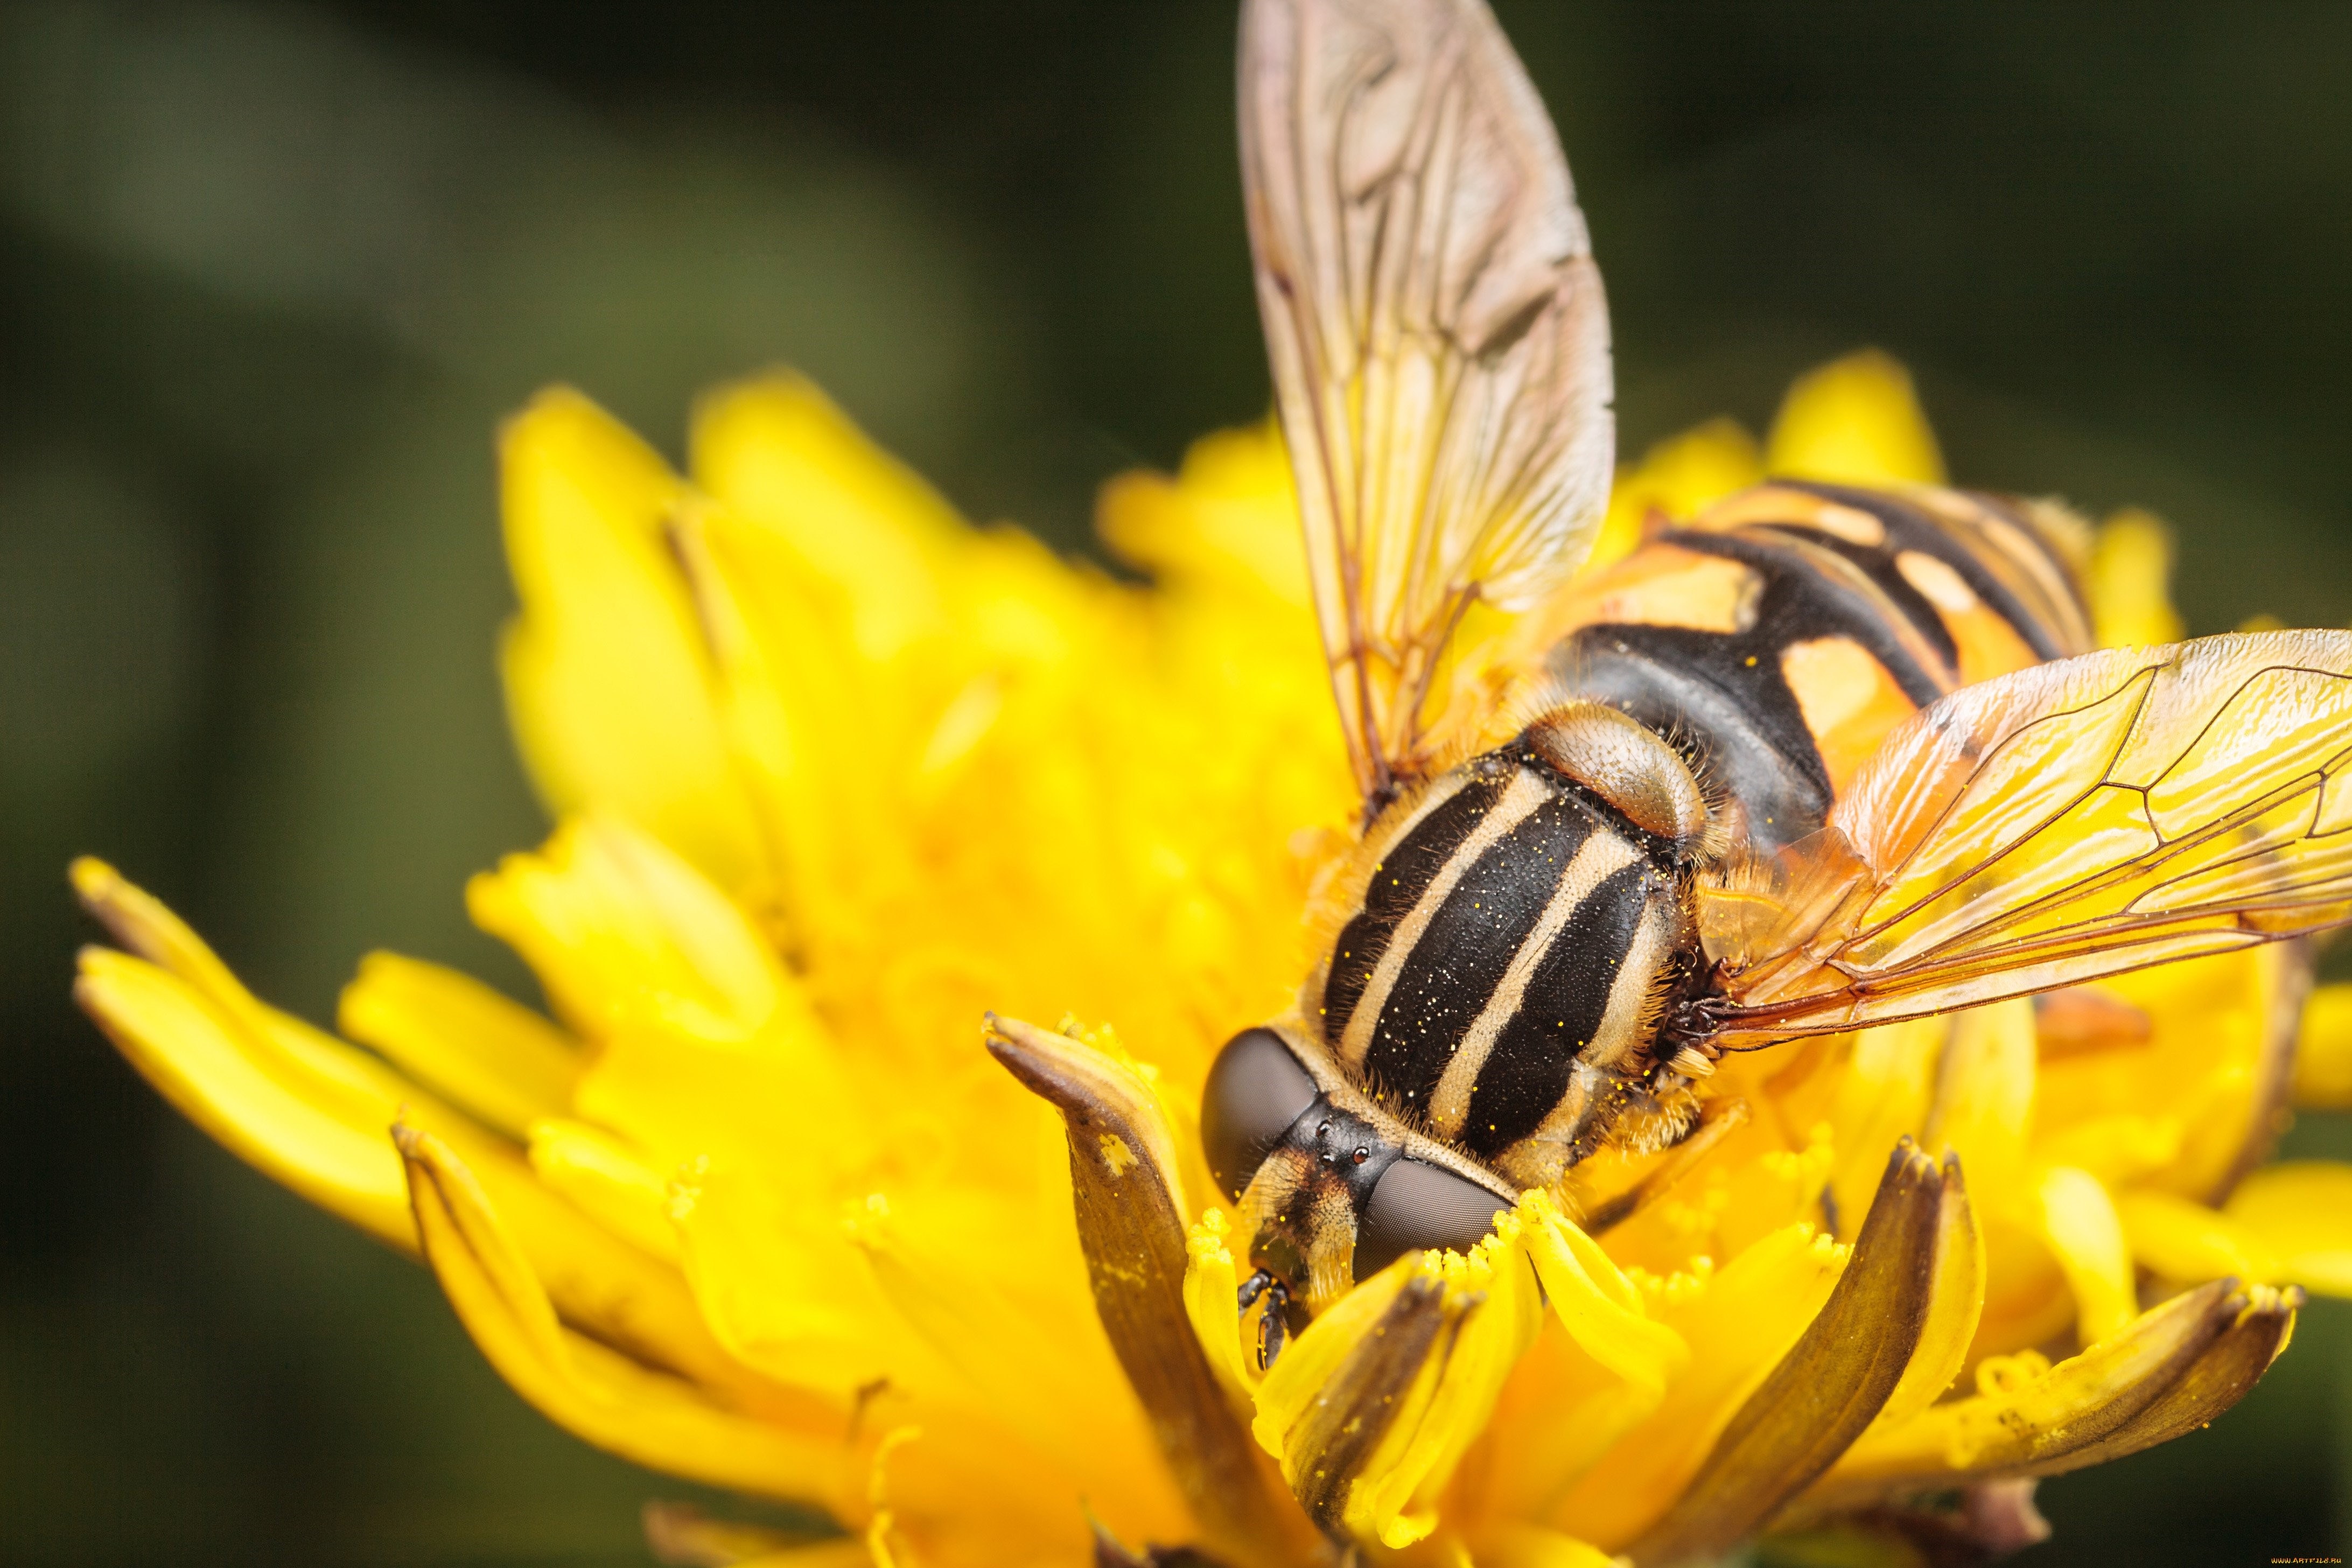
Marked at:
<point>2070,821</point>
<point>1438,336</point>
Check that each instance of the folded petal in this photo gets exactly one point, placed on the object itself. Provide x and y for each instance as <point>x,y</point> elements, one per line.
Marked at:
<point>599,1394</point>
<point>495,1058</point>
<point>1129,1209</point>
<point>1854,421</point>
<point>606,678</point>
<point>1832,1383</point>
<point>2175,1367</point>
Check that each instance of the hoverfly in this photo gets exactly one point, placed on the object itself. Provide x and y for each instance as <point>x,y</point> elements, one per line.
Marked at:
<point>1821,758</point>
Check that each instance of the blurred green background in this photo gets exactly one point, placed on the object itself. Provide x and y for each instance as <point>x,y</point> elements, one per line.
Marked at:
<point>273,273</point>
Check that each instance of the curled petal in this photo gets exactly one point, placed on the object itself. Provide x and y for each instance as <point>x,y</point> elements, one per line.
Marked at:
<point>1832,1383</point>
<point>1954,1308</point>
<point>1373,1407</point>
<point>1130,1208</point>
<point>1600,1308</point>
<point>2175,1367</point>
<point>497,1061</point>
<point>600,1395</point>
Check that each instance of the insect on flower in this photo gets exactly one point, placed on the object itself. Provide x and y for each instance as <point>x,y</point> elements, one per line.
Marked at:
<point>1822,758</point>
<point>832,771</point>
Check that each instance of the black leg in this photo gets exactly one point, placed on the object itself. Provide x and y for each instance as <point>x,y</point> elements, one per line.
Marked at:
<point>1274,1326</point>
<point>1254,1286</point>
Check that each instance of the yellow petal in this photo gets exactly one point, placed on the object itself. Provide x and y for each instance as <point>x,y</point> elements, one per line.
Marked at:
<point>311,1112</point>
<point>496,1058</point>
<point>1953,1311</point>
<point>1370,1409</point>
<point>208,1068</point>
<point>1596,1303</point>
<point>2323,1052</point>
<point>606,681</point>
<point>1395,1496</point>
<point>1833,1381</point>
<point>2189,1243</point>
<point>623,932</point>
<point>595,1392</point>
<point>1737,1323</point>
<point>1677,478</point>
<point>1984,1100</point>
<point>1032,1357</point>
<point>2079,1220</point>
<point>778,452</point>
<point>607,1178</point>
<point>1229,515</point>
<point>1210,1293</point>
<point>2302,1212</point>
<point>1884,1093</point>
<point>1533,1546</point>
<point>1854,421</point>
<point>2129,583</point>
<point>2174,1368</point>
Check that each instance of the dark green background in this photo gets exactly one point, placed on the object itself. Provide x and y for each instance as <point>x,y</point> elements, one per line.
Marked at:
<point>273,273</point>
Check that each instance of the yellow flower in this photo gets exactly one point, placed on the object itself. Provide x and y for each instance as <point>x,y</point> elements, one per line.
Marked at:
<point>837,773</point>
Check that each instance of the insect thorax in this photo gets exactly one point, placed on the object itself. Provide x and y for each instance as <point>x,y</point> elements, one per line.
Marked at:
<point>1498,982</point>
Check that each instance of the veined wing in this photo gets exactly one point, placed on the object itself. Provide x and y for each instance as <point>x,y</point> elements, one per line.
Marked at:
<point>1438,335</point>
<point>2067,822</point>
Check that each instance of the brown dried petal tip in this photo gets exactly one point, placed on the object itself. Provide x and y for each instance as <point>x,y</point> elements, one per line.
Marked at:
<point>1131,1227</point>
<point>2174,1369</point>
<point>1832,1382</point>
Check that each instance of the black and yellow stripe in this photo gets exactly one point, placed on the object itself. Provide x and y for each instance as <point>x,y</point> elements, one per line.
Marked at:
<point>1497,986</point>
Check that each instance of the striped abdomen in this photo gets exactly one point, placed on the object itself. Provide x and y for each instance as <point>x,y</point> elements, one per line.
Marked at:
<point>1497,982</point>
<point>1510,941</point>
<point>1784,632</point>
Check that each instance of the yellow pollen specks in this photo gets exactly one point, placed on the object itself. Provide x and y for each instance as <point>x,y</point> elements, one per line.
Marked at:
<point>1116,1155</point>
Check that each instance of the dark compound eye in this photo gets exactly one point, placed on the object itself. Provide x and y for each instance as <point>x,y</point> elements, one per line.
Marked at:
<point>1416,1207</point>
<point>1255,1090</point>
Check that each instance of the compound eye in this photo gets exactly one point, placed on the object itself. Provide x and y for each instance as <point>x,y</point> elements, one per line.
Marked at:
<point>1256,1089</point>
<point>1415,1206</point>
